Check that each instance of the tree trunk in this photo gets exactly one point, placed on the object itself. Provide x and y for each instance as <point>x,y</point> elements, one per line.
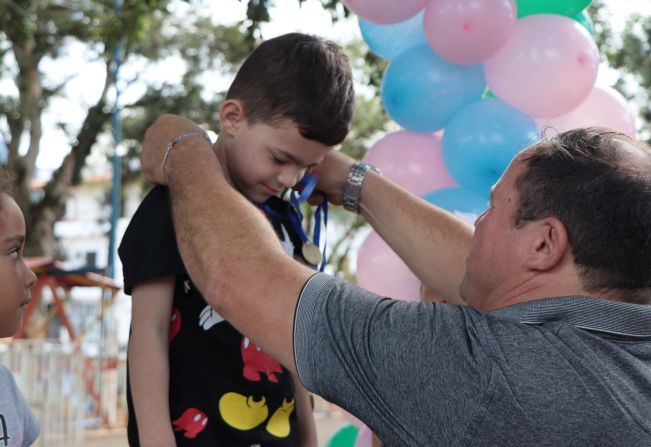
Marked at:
<point>40,224</point>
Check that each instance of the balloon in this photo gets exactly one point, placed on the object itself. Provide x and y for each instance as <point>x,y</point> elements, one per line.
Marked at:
<point>388,41</point>
<point>364,437</point>
<point>561,7</point>
<point>584,19</point>
<point>352,419</point>
<point>481,140</point>
<point>344,437</point>
<point>421,91</point>
<point>468,31</point>
<point>546,67</point>
<point>488,95</point>
<point>380,270</point>
<point>465,204</point>
<point>413,160</point>
<point>604,107</point>
<point>385,11</point>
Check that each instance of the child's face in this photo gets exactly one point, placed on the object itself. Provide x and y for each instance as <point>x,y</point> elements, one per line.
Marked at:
<point>16,279</point>
<point>263,160</point>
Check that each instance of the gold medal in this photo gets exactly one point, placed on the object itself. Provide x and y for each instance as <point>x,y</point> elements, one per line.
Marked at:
<point>311,253</point>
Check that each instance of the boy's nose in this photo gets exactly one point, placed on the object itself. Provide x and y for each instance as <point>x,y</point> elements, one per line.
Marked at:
<point>290,177</point>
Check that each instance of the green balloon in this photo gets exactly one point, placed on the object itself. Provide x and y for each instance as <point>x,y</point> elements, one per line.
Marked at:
<point>567,8</point>
<point>585,21</point>
<point>345,437</point>
<point>488,94</point>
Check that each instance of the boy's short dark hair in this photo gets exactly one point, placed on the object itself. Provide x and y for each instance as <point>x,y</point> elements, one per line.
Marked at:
<point>300,77</point>
<point>598,183</point>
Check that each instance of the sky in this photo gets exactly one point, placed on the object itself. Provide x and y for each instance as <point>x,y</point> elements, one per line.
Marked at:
<point>87,78</point>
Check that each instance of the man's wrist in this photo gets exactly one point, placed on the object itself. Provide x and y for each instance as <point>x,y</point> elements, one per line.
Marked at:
<point>180,140</point>
<point>353,185</point>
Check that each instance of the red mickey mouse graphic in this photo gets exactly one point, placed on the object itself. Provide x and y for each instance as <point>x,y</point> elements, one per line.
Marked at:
<point>175,324</point>
<point>256,362</point>
<point>192,422</point>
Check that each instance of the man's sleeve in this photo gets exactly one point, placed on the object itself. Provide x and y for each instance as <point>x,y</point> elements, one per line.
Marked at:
<point>410,371</point>
<point>148,249</point>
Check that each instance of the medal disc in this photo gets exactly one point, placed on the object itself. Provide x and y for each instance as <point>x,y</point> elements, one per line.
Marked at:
<point>311,253</point>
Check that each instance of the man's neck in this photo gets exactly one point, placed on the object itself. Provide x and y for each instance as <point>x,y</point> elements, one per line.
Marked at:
<point>535,288</point>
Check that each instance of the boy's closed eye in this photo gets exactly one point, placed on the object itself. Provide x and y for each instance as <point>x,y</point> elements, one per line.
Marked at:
<point>279,161</point>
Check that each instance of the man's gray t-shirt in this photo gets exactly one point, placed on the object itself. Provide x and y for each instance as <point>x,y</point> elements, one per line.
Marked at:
<point>18,426</point>
<point>558,371</point>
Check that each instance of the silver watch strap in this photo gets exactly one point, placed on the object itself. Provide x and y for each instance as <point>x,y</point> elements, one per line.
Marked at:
<point>353,185</point>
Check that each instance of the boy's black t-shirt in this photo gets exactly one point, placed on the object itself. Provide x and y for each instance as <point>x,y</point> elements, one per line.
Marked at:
<point>223,390</point>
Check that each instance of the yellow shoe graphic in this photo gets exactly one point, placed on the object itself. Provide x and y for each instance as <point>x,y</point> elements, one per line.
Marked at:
<point>241,412</point>
<point>278,424</point>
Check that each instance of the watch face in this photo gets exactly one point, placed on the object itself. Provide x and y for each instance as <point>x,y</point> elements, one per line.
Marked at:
<point>353,186</point>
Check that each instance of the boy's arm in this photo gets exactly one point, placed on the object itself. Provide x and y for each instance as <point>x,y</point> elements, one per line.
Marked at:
<point>149,360</point>
<point>306,427</point>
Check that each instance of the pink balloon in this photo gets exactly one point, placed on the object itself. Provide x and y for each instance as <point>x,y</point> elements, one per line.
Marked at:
<point>413,160</point>
<point>364,437</point>
<point>546,67</point>
<point>385,11</point>
<point>352,419</point>
<point>380,270</point>
<point>468,31</point>
<point>604,107</point>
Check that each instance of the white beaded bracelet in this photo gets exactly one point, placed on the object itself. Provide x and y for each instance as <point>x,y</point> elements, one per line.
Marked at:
<point>179,138</point>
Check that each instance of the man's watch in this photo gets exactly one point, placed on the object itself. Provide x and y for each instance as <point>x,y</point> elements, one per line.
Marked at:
<point>353,185</point>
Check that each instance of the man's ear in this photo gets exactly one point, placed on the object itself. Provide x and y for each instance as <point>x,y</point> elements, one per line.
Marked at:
<point>549,244</point>
<point>231,116</point>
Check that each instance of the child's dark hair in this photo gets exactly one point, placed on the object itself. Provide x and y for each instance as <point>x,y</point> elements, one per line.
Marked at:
<point>300,77</point>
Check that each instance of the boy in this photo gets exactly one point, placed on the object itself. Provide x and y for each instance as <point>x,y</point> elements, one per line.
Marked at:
<point>193,379</point>
<point>18,426</point>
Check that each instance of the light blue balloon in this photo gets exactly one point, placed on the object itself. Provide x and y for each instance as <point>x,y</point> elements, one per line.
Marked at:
<point>4,153</point>
<point>465,204</point>
<point>481,140</point>
<point>422,92</point>
<point>388,41</point>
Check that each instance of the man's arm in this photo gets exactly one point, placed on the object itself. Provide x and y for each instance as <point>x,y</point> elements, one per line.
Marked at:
<point>431,241</point>
<point>229,249</point>
<point>149,361</point>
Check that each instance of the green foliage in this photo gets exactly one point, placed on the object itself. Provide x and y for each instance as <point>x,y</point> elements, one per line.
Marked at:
<point>629,54</point>
<point>148,32</point>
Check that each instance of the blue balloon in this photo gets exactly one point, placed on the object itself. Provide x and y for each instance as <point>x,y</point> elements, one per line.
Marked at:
<point>388,41</point>
<point>4,153</point>
<point>465,204</point>
<point>481,140</point>
<point>422,92</point>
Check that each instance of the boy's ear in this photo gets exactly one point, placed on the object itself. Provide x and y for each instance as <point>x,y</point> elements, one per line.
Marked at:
<point>231,115</point>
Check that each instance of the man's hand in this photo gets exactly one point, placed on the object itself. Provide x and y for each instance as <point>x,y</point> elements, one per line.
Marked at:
<point>157,138</point>
<point>331,173</point>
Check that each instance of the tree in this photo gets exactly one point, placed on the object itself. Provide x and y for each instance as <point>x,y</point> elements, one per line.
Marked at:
<point>629,54</point>
<point>33,31</point>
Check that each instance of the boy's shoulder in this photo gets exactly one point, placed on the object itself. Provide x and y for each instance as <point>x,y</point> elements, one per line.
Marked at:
<point>157,197</point>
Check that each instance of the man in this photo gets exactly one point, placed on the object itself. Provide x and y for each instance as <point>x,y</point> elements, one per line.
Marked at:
<point>555,350</point>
